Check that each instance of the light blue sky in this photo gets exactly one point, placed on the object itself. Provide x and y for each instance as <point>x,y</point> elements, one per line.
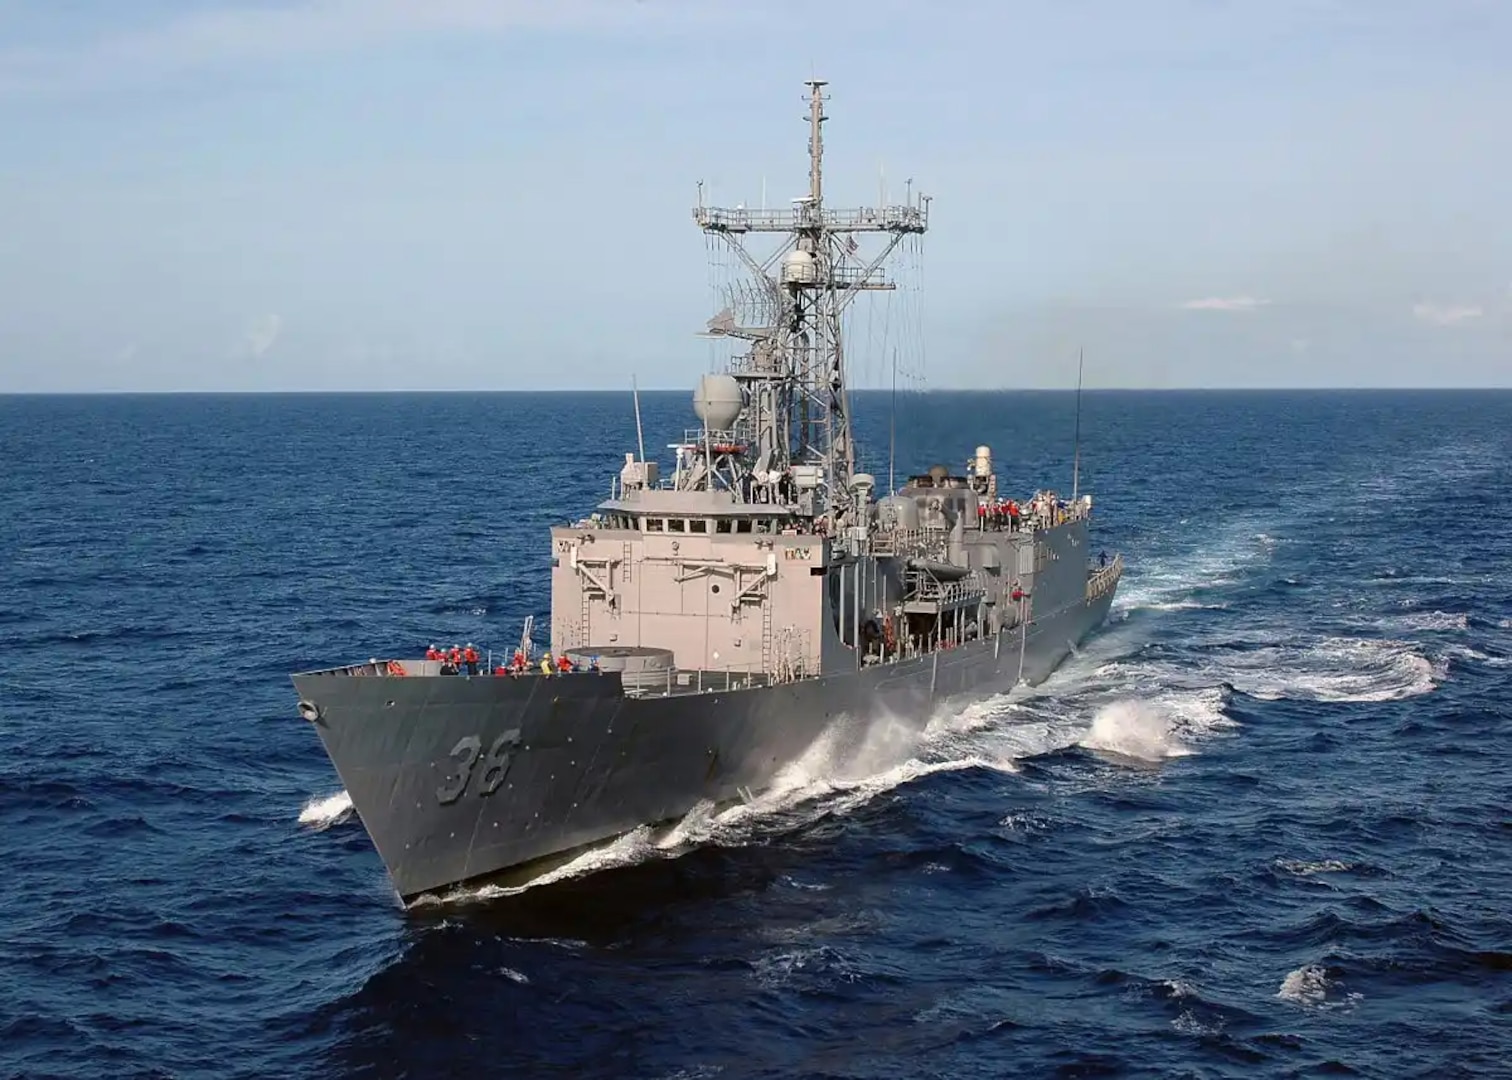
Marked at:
<point>288,194</point>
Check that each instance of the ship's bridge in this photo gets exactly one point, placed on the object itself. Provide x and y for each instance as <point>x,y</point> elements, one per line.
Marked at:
<point>657,510</point>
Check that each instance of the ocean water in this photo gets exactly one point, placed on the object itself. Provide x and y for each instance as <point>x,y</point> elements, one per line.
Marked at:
<point>1258,826</point>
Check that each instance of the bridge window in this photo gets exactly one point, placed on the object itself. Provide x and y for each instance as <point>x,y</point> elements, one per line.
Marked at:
<point>722,525</point>
<point>676,525</point>
<point>698,525</point>
<point>743,525</point>
<point>654,525</point>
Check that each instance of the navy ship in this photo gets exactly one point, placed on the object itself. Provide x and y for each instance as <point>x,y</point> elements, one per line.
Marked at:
<point>715,622</point>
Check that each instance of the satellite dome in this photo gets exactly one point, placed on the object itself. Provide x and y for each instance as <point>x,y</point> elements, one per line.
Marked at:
<point>799,267</point>
<point>717,401</point>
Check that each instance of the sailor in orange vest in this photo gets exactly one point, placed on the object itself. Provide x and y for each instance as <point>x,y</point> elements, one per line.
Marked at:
<point>564,664</point>
<point>432,653</point>
<point>518,662</point>
<point>470,658</point>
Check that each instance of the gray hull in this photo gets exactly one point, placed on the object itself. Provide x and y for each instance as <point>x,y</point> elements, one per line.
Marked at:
<point>458,778</point>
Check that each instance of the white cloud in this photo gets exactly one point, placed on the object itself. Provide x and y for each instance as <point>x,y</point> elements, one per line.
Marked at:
<point>1225,303</point>
<point>1446,314</point>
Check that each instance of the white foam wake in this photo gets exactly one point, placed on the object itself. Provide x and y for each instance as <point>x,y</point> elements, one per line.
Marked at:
<point>1428,621</point>
<point>1333,669</point>
<point>1337,669</point>
<point>1167,581</point>
<point>323,811</point>
<point>1134,729</point>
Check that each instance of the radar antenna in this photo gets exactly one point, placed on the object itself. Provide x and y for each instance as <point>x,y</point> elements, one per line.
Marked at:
<point>794,375</point>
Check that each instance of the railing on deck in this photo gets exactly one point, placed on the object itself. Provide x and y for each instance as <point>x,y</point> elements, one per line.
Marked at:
<point>931,589</point>
<point>906,541</point>
<point>1104,578</point>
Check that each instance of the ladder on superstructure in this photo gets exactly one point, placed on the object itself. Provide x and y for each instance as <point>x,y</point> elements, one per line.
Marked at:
<point>766,635</point>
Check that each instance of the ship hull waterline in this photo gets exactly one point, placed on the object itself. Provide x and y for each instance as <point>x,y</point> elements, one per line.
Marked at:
<point>458,778</point>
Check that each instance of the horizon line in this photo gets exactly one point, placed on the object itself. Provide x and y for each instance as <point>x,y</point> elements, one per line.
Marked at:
<point>346,392</point>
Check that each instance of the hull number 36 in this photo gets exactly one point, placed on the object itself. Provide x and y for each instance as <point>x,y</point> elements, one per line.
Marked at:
<point>467,755</point>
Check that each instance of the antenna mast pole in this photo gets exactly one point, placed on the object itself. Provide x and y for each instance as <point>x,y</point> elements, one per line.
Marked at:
<point>1076,453</point>
<point>892,429</point>
<point>640,439</point>
<point>794,375</point>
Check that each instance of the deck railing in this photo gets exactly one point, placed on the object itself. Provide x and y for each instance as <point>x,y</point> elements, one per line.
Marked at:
<point>1104,578</point>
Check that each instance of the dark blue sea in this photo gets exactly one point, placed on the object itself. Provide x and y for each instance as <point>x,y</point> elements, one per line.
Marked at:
<point>1258,826</point>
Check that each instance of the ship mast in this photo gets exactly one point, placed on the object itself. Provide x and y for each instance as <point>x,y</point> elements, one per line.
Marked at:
<point>794,377</point>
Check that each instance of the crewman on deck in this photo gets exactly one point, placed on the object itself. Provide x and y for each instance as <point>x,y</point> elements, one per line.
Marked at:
<point>1018,593</point>
<point>564,663</point>
<point>518,662</point>
<point>1013,516</point>
<point>470,658</point>
<point>433,653</point>
<point>546,663</point>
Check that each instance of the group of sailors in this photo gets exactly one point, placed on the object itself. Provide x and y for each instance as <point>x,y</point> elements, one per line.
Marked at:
<point>1045,510</point>
<point>779,488</point>
<point>460,659</point>
<point>455,659</point>
<point>997,513</point>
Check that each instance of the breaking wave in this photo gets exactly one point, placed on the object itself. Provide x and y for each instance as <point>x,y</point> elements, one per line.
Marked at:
<point>323,811</point>
<point>1135,730</point>
<point>1316,986</point>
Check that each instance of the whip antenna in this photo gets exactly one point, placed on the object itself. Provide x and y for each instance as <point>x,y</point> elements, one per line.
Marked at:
<point>1076,440</point>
